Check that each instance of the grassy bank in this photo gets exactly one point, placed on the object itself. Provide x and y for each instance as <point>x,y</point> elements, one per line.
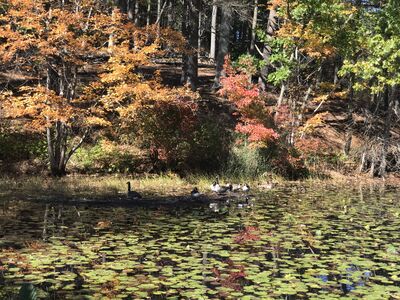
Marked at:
<point>82,186</point>
<point>100,187</point>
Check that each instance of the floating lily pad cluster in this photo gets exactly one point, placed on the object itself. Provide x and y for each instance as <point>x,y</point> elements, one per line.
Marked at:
<point>329,242</point>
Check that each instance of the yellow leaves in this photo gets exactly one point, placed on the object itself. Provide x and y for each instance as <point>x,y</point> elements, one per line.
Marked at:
<point>96,121</point>
<point>313,123</point>
<point>327,92</point>
<point>326,86</point>
<point>273,4</point>
<point>320,98</point>
<point>310,42</point>
<point>342,95</point>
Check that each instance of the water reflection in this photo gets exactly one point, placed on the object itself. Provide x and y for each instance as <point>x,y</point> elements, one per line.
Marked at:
<point>301,242</point>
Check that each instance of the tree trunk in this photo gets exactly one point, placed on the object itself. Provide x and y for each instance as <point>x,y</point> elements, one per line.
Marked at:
<point>386,131</point>
<point>254,27</point>
<point>170,20</point>
<point>223,43</point>
<point>271,27</point>
<point>199,32</point>
<point>349,132</point>
<point>54,133</point>
<point>122,5</point>
<point>213,31</point>
<point>136,21</point>
<point>148,16</point>
<point>130,7</point>
<point>191,32</point>
<point>159,12</point>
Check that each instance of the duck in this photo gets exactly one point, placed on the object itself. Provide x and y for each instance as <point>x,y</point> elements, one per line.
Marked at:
<point>195,193</point>
<point>245,188</point>
<point>132,194</point>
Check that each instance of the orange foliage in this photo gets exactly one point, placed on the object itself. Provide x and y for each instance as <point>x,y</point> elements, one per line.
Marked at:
<point>54,43</point>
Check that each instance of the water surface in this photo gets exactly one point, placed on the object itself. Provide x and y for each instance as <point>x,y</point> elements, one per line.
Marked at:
<point>295,242</point>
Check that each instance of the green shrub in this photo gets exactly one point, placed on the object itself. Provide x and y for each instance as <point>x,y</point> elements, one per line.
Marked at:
<point>245,161</point>
<point>16,147</point>
<point>107,157</point>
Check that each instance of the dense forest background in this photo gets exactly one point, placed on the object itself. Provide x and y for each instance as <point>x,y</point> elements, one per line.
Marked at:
<point>242,87</point>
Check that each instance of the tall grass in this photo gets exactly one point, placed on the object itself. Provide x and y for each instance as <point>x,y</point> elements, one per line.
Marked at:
<point>246,162</point>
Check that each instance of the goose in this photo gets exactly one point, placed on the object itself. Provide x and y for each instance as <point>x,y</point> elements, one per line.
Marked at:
<point>132,194</point>
<point>246,203</point>
<point>235,187</point>
<point>221,189</point>
<point>214,206</point>
<point>245,188</point>
<point>214,184</point>
<point>217,188</point>
<point>195,193</point>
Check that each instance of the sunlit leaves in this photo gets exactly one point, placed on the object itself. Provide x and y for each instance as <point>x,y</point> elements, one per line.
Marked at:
<point>238,88</point>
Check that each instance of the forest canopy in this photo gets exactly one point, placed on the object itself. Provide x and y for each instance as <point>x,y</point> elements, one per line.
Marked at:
<point>242,87</point>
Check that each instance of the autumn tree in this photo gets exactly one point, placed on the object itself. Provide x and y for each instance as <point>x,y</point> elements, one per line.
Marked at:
<point>53,43</point>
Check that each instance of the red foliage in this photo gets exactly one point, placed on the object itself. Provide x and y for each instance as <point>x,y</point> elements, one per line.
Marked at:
<point>252,111</point>
<point>239,90</point>
<point>257,132</point>
<point>282,115</point>
<point>249,233</point>
<point>314,147</point>
<point>234,277</point>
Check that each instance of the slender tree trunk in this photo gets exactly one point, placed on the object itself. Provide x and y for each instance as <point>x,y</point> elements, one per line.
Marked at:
<point>148,13</point>
<point>387,100</point>
<point>159,11</point>
<point>185,31</point>
<point>170,21</point>
<point>136,21</point>
<point>191,33</point>
<point>199,32</point>
<point>223,43</point>
<point>254,27</point>
<point>130,7</point>
<point>349,131</point>
<point>213,31</point>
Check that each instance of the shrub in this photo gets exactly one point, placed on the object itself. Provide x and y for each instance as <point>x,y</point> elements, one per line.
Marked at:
<point>245,161</point>
<point>180,137</point>
<point>107,157</point>
<point>21,146</point>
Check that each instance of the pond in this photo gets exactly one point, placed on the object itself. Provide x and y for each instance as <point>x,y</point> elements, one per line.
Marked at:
<point>309,241</point>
